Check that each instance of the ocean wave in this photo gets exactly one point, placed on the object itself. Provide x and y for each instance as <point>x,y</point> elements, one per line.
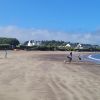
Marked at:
<point>90,56</point>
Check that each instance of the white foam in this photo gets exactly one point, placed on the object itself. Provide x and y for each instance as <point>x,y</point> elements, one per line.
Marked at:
<point>90,56</point>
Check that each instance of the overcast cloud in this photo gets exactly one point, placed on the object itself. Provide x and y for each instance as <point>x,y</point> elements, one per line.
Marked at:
<point>38,34</point>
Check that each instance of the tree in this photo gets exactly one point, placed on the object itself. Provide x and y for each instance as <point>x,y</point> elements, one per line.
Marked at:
<point>10,41</point>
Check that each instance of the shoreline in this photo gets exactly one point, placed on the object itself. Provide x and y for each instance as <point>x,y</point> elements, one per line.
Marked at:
<point>89,58</point>
<point>60,55</point>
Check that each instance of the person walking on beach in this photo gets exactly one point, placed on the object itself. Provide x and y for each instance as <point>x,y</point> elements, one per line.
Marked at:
<point>79,58</point>
<point>71,54</point>
<point>5,53</point>
<point>69,57</point>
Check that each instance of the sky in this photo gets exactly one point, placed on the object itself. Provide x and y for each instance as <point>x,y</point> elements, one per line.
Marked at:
<point>68,20</point>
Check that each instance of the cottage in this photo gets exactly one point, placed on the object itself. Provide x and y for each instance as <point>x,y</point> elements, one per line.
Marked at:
<point>79,46</point>
<point>29,43</point>
<point>68,45</point>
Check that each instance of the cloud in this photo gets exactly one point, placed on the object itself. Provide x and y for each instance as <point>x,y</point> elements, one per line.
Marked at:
<point>40,34</point>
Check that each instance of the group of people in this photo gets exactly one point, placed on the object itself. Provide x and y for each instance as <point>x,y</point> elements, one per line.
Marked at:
<point>70,57</point>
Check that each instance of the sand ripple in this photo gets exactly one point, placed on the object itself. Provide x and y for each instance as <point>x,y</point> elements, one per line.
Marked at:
<point>30,76</point>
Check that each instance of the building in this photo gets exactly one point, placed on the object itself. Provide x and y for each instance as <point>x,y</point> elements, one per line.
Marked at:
<point>29,43</point>
<point>68,45</point>
<point>79,46</point>
<point>33,43</point>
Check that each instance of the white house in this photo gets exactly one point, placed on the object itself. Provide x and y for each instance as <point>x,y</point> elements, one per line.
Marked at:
<point>32,43</point>
<point>68,45</point>
<point>79,46</point>
<point>29,43</point>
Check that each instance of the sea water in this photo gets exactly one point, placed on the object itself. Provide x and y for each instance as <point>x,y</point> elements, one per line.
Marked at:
<point>95,58</point>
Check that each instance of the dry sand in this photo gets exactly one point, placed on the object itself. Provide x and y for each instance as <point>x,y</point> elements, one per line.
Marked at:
<point>40,75</point>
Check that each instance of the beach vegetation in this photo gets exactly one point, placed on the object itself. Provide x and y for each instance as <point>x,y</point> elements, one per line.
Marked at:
<point>8,43</point>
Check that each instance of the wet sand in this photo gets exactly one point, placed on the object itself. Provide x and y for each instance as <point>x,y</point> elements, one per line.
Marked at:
<point>39,75</point>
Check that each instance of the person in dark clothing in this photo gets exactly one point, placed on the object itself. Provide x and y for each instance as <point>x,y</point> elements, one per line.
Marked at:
<point>79,58</point>
<point>69,58</point>
<point>71,54</point>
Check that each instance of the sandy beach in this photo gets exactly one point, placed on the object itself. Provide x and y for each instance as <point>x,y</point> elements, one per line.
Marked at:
<point>40,75</point>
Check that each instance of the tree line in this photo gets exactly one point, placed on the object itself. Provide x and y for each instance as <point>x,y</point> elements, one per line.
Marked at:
<point>44,45</point>
<point>54,45</point>
<point>8,43</point>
